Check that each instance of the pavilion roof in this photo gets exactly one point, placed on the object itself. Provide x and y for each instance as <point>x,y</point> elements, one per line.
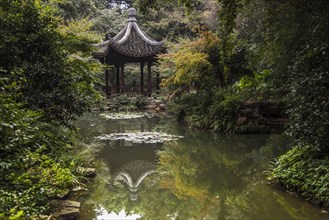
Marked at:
<point>131,41</point>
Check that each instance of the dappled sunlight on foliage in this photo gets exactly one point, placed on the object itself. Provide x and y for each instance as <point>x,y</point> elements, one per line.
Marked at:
<point>47,79</point>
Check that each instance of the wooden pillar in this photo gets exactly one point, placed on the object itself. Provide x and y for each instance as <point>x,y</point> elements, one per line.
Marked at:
<point>142,77</point>
<point>122,83</point>
<point>107,87</point>
<point>117,73</point>
<point>158,81</point>
<point>149,82</point>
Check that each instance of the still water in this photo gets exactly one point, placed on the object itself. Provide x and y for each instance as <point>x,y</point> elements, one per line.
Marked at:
<point>155,169</point>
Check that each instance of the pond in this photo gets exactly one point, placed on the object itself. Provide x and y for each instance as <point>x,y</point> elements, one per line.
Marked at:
<point>155,169</point>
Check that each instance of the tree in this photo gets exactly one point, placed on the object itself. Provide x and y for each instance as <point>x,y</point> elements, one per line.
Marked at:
<point>108,21</point>
<point>46,79</point>
<point>52,59</point>
<point>291,40</point>
<point>78,9</point>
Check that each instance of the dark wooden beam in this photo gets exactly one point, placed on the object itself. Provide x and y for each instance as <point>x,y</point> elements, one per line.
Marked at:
<point>118,58</point>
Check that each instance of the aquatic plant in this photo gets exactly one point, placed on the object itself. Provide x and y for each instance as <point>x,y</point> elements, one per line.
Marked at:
<point>141,137</point>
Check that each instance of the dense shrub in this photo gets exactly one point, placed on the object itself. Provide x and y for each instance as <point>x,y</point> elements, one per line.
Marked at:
<point>309,108</point>
<point>46,79</point>
<point>53,59</point>
<point>304,171</point>
<point>217,111</point>
<point>38,161</point>
<point>32,167</point>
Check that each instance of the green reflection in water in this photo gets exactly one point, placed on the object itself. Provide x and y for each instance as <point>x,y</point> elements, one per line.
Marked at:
<point>197,177</point>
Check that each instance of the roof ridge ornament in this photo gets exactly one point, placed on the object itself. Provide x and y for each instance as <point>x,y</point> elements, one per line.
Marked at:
<point>132,13</point>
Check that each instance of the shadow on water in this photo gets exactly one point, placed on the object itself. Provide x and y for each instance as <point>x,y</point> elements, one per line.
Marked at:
<point>196,177</point>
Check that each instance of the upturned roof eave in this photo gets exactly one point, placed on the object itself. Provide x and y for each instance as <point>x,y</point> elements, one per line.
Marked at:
<point>103,54</point>
<point>119,41</point>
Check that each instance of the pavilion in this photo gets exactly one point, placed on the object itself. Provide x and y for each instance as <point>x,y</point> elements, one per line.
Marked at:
<point>130,45</point>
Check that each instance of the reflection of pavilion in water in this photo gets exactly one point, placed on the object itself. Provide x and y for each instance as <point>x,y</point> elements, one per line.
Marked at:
<point>140,125</point>
<point>130,163</point>
<point>128,126</point>
<point>133,173</point>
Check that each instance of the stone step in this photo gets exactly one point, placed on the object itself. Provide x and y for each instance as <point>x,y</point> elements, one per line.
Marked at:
<point>66,209</point>
<point>150,107</point>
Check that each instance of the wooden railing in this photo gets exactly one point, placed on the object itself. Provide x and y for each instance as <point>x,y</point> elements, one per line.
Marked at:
<point>129,90</point>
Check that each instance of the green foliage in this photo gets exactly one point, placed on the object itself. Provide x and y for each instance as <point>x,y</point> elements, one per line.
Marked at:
<point>140,101</point>
<point>78,9</point>
<point>289,40</point>
<point>105,18</point>
<point>191,64</point>
<point>121,103</point>
<point>50,57</point>
<point>29,173</point>
<point>168,19</point>
<point>108,21</point>
<point>224,111</point>
<point>217,111</point>
<point>16,123</point>
<point>189,67</point>
<point>46,80</point>
<point>37,162</point>
<point>292,39</point>
<point>195,66</point>
<point>303,170</point>
<point>309,108</point>
<point>256,86</point>
<point>124,103</point>
<point>35,181</point>
<point>254,81</point>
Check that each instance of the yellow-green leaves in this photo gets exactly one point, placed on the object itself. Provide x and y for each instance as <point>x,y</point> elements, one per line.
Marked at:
<point>190,62</point>
<point>190,66</point>
<point>78,35</point>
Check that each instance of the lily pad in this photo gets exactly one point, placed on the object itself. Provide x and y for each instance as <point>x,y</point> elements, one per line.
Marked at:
<point>120,115</point>
<point>141,137</point>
